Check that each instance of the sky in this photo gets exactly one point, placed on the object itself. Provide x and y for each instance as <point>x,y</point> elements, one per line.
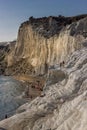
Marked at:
<point>15,12</point>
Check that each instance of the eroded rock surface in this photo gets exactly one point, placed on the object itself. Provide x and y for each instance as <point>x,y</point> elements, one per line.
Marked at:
<point>5,49</point>
<point>62,106</point>
<point>43,42</point>
<point>63,103</point>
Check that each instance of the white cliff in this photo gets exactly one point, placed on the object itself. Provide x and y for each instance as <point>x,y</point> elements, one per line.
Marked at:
<point>41,46</point>
<point>62,106</point>
<point>63,102</point>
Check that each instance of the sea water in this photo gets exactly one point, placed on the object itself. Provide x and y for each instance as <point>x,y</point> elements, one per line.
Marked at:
<point>10,96</point>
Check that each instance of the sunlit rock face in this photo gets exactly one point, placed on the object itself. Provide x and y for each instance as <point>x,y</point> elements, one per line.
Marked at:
<point>47,41</point>
<point>63,102</point>
<point>62,105</point>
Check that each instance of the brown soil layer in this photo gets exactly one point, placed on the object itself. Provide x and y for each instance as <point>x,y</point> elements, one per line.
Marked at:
<point>34,85</point>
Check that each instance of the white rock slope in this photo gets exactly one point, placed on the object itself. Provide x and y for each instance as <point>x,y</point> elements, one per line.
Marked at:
<point>63,105</point>
<point>39,50</point>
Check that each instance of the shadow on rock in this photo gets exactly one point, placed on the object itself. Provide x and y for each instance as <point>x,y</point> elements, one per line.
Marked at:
<point>2,128</point>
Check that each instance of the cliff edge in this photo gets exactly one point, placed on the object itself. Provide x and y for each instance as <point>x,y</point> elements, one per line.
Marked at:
<point>62,105</point>
<point>56,46</point>
<point>43,42</point>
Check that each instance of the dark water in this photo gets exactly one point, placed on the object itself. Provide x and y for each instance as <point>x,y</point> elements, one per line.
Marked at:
<point>10,96</point>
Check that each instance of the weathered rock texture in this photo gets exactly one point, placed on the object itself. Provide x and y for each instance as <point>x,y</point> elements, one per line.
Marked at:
<point>5,49</point>
<point>63,102</point>
<point>46,41</point>
<point>62,106</point>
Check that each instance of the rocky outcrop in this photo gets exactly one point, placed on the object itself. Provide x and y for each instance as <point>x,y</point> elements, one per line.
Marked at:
<point>43,42</point>
<point>41,45</point>
<point>5,49</point>
<point>62,105</point>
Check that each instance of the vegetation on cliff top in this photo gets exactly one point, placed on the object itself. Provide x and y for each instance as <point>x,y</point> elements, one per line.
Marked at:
<point>49,26</point>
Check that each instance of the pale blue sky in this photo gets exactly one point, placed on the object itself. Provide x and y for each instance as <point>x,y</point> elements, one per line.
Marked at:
<point>14,12</point>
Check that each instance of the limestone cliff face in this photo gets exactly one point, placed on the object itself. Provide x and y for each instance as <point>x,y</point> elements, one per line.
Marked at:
<point>45,42</point>
<point>62,106</point>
